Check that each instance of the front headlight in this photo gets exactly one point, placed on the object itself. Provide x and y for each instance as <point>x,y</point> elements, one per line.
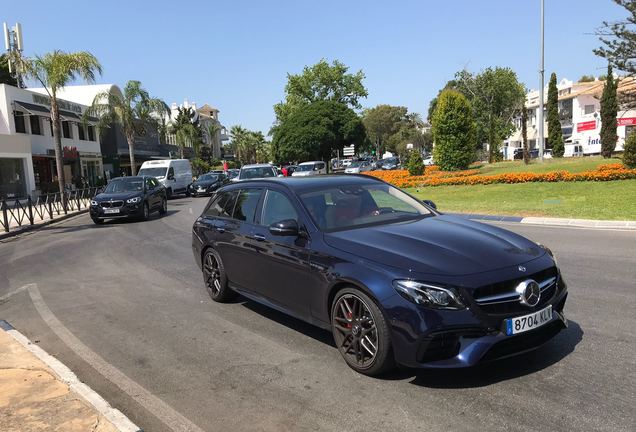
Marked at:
<point>428,295</point>
<point>133,200</point>
<point>94,203</point>
<point>549,252</point>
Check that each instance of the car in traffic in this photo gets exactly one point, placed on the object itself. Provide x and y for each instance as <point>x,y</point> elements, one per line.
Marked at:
<point>208,183</point>
<point>310,169</point>
<point>389,163</point>
<point>359,167</point>
<point>396,281</point>
<point>233,173</point>
<point>129,197</point>
<point>428,161</point>
<point>174,174</point>
<point>256,171</point>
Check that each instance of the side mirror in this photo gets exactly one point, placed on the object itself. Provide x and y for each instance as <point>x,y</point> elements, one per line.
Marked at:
<point>430,203</point>
<point>287,227</point>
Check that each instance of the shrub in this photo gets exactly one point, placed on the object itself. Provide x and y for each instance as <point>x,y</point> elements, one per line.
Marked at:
<point>629,155</point>
<point>453,131</point>
<point>415,164</point>
<point>199,166</point>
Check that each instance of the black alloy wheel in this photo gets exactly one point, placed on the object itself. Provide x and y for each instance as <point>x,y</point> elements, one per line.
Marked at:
<point>214,277</point>
<point>361,332</point>
<point>97,221</point>
<point>169,193</point>
<point>146,213</point>
<point>164,207</point>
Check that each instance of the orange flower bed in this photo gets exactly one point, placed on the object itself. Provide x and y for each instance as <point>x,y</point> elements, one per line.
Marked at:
<point>434,177</point>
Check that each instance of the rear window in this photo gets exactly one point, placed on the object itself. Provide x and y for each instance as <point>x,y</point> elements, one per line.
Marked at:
<point>256,172</point>
<point>246,204</point>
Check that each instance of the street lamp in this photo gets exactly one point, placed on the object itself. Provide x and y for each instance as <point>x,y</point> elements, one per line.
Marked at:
<point>541,72</point>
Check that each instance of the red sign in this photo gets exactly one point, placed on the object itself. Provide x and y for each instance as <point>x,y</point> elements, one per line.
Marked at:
<point>626,121</point>
<point>70,152</point>
<point>588,125</point>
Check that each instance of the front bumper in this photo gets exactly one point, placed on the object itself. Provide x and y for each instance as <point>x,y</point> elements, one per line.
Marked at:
<point>125,211</point>
<point>428,338</point>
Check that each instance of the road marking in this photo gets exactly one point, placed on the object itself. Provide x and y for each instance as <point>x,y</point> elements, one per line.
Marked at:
<point>10,294</point>
<point>113,415</point>
<point>150,402</point>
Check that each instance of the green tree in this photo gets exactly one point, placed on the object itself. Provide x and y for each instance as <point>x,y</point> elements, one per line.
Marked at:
<point>381,122</point>
<point>495,95</point>
<point>54,70</point>
<point>453,131</point>
<point>187,130</point>
<point>249,146</point>
<point>555,135</point>
<point>524,134</point>
<point>586,78</point>
<point>132,111</point>
<point>314,132</point>
<point>629,155</point>
<point>321,82</point>
<point>5,75</point>
<point>618,39</point>
<point>609,111</point>
<point>450,85</point>
<point>415,164</point>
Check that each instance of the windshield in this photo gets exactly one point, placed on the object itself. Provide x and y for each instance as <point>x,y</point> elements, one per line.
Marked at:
<point>391,161</point>
<point>232,173</point>
<point>355,164</point>
<point>126,184</point>
<point>347,207</point>
<point>208,177</point>
<point>256,172</point>
<point>308,167</point>
<point>153,172</point>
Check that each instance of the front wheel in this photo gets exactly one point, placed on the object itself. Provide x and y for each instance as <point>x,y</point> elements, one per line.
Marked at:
<point>146,212</point>
<point>164,207</point>
<point>169,193</point>
<point>214,277</point>
<point>361,332</point>
<point>97,221</point>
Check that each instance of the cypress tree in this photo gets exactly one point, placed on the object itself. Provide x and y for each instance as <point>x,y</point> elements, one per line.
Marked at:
<point>609,110</point>
<point>453,131</point>
<point>524,134</point>
<point>555,136</point>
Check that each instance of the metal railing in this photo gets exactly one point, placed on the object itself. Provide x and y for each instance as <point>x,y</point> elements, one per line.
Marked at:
<point>17,213</point>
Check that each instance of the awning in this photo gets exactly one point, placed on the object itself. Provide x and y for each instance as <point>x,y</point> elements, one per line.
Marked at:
<point>33,109</point>
<point>69,116</point>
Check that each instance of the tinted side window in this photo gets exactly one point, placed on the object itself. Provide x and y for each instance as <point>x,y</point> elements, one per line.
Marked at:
<point>245,207</point>
<point>222,205</point>
<point>277,207</point>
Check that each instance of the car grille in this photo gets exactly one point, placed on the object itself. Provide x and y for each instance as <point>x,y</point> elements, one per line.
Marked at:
<point>109,204</point>
<point>502,299</point>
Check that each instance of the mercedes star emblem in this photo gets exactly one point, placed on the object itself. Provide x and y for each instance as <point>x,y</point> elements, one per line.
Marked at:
<point>529,293</point>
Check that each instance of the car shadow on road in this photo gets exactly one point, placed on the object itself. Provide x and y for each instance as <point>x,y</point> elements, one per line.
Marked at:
<point>501,370</point>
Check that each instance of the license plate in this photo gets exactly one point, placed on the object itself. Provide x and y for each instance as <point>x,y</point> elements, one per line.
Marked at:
<point>528,322</point>
<point>200,190</point>
<point>111,211</point>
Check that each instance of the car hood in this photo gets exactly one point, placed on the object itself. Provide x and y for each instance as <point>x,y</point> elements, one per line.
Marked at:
<point>443,245</point>
<point>203,183</point>
<point>116,196</point>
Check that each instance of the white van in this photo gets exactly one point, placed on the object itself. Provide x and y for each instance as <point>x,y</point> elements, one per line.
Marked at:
<point>174,174</point>
<point>574,149</point>
<point>310,169</point>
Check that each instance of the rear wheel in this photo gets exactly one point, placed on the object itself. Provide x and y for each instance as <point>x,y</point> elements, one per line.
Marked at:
<point>214,277</point>
<point>361,332</point>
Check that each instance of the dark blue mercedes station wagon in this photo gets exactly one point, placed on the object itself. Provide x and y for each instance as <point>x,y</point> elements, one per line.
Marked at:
<point>395,281</point>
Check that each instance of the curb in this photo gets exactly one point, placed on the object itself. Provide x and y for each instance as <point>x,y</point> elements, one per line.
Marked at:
<point>27,228</point>
<point>554,222</point>
<point>113,415</point>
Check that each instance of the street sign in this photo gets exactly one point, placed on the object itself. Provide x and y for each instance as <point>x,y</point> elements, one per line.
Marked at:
<point>349,150</point>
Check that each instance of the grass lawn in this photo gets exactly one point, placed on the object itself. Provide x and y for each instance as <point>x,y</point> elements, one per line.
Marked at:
<point>612,200</point>
<point>573,165</point>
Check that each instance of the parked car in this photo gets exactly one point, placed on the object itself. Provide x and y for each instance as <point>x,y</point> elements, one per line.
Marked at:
<point>346,162</point>
<point>310,169</point>
<point>256,171</point>
<point>174,174</point>
<point>394,280</point>
<point>358,167</point>
<point>428,161</point>
<point>206,184</point>
<point>129,197</point>
<point>233,173</point>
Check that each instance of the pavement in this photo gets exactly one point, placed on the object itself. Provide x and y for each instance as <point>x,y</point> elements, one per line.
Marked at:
<point>123,306</point>
<point>34,397</point>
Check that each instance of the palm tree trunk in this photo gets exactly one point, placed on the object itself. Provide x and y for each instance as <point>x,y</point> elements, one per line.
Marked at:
<point>131,149</point>
<point>59,161</point>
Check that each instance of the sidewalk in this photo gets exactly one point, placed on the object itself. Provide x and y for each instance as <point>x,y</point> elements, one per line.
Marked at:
<point>566,222</point>
<point>38,222</point>
<point>35,398</point>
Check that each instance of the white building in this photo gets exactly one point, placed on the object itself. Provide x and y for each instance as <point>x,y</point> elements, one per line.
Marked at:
<point>579,112</point>
<point>27,149</point>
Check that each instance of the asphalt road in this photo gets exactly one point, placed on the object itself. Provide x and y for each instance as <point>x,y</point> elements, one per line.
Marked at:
<point>123,305</point>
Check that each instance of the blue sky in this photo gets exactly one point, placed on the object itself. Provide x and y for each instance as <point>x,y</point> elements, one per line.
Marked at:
<point>235,54</point>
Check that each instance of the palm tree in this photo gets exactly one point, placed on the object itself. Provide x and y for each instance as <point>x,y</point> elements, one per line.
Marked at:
<point>212,129</point>
<point>238,134</point>
<point>132,111</point>
<point>54,71</point>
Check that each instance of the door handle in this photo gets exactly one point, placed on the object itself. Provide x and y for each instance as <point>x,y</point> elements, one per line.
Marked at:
<point>259,237</point>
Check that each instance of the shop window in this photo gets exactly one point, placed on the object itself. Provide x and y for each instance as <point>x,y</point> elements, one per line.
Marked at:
<point>20,125</point>
<point>91,133</point>
<point>81,133</point>
<point>12,179</point>
<point>35,125</point>
<point>66,130</point>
